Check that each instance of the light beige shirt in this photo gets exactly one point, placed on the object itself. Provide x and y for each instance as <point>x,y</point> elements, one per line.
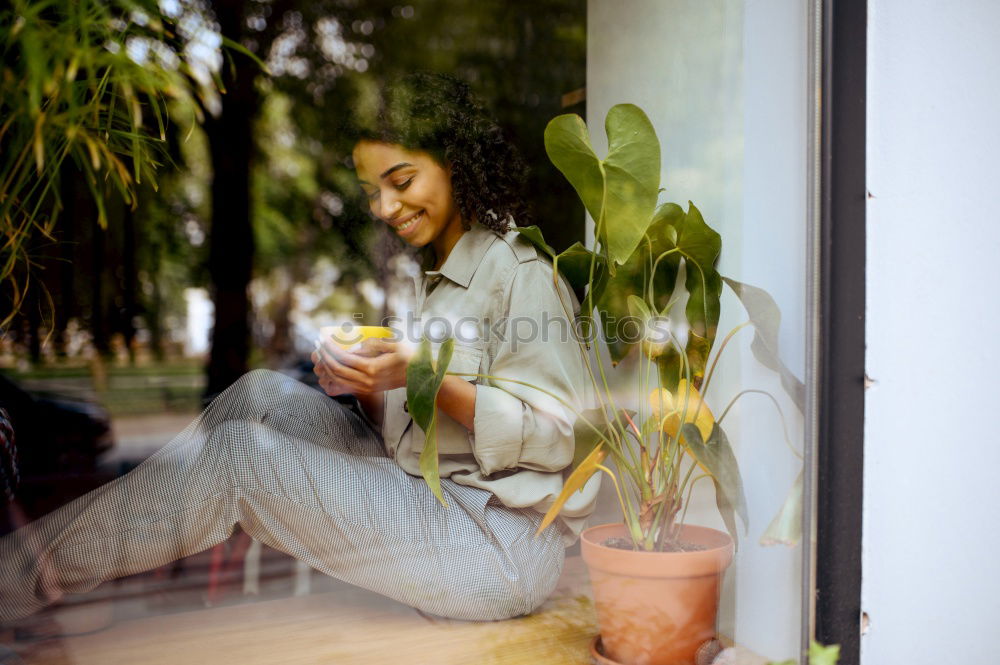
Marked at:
<point>494,294</point>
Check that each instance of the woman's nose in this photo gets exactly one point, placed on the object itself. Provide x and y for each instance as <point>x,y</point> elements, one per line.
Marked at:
<point>389,207</point>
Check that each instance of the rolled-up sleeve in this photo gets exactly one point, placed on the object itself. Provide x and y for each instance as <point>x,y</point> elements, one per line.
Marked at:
<point>518,426</point>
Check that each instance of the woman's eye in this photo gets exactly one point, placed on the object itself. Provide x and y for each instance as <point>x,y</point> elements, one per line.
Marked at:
<point>406,183</point>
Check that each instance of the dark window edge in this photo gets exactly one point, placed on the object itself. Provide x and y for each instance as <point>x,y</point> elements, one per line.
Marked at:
<point>841,328</point>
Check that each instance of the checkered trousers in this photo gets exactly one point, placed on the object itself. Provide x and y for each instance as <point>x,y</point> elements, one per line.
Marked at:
<point>305,475</point>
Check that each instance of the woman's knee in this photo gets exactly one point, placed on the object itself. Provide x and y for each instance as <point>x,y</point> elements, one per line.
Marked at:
<point>486,600</point>
<point>505,594</point>
<point>251,396</point>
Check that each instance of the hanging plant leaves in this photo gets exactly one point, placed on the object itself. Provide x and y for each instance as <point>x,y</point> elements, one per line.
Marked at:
<point>786,527</point>
<point>717,457</point>
<point>766,319</point>
<point>423,380</point>
<point>633,280</point>
<point>699,245</point>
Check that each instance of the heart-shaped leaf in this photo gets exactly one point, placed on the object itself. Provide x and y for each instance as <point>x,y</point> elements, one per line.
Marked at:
<point>620,191</point>
<point>687,403</point>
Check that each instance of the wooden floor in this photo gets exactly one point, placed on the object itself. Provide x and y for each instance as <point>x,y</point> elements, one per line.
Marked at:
<point>150,620</point>
<point>344,625</point>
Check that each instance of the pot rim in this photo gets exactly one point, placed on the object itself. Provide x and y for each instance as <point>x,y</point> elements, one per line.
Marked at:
<point>640,563</point>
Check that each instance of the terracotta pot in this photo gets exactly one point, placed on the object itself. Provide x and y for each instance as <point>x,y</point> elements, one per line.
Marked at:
<point>656,608</point>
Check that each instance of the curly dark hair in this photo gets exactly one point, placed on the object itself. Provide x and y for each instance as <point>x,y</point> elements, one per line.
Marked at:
<point>438,114</point>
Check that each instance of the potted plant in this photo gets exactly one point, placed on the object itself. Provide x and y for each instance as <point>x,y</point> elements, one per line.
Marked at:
<point>656,579</point>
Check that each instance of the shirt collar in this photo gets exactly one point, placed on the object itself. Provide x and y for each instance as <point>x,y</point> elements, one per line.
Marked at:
<point>465,256</point>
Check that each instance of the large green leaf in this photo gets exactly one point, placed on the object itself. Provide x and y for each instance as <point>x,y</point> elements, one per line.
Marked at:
<point>568,147</point>
<point>534,234</point>
<point>423,380</point>
<point>766,319</point>
<point>620,191</point>
<point>575,262</point>
<point>633,280</point>
<point>716,455</point>
<point>699,245</point>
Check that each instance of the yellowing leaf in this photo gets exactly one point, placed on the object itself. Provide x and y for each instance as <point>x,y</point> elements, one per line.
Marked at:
<point>575,482</point>
<point>670,408</point>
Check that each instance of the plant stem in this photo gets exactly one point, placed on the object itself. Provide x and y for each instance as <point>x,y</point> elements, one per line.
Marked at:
<point>652,288</point>
<point>687,501</point>
<point>715,361</point>
<point>684,483</point>
<point>781,414</point>
<point>618,489</point>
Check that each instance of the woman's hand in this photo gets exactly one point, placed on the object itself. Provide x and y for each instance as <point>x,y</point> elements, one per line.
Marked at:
<point>375,366</point>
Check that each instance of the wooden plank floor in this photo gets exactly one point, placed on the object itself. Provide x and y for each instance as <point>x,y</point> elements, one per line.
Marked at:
<point>345,625</point>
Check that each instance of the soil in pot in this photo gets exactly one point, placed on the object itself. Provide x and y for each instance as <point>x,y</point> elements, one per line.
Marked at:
<point>681,546</point>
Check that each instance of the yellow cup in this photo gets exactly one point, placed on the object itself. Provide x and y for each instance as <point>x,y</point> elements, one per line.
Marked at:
<point>347,335</point>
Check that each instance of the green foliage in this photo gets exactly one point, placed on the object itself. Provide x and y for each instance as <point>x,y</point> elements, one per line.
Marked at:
<point>634,272</point>
<point>90,82</point>
<point>619,191</point>
<point>716,456</point>
<point>786,527</point>
<point>766,318</point>
<point>424,377</point>
<point>699,245</point>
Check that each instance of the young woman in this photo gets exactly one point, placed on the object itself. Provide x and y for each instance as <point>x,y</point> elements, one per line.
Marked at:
<point>339,489</point>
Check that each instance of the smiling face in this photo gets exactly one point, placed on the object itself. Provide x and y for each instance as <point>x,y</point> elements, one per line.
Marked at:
<point>411,192</point>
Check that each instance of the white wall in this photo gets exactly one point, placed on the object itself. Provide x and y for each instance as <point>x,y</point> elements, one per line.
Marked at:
<point>932,450</point>
<point>724,83</point>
